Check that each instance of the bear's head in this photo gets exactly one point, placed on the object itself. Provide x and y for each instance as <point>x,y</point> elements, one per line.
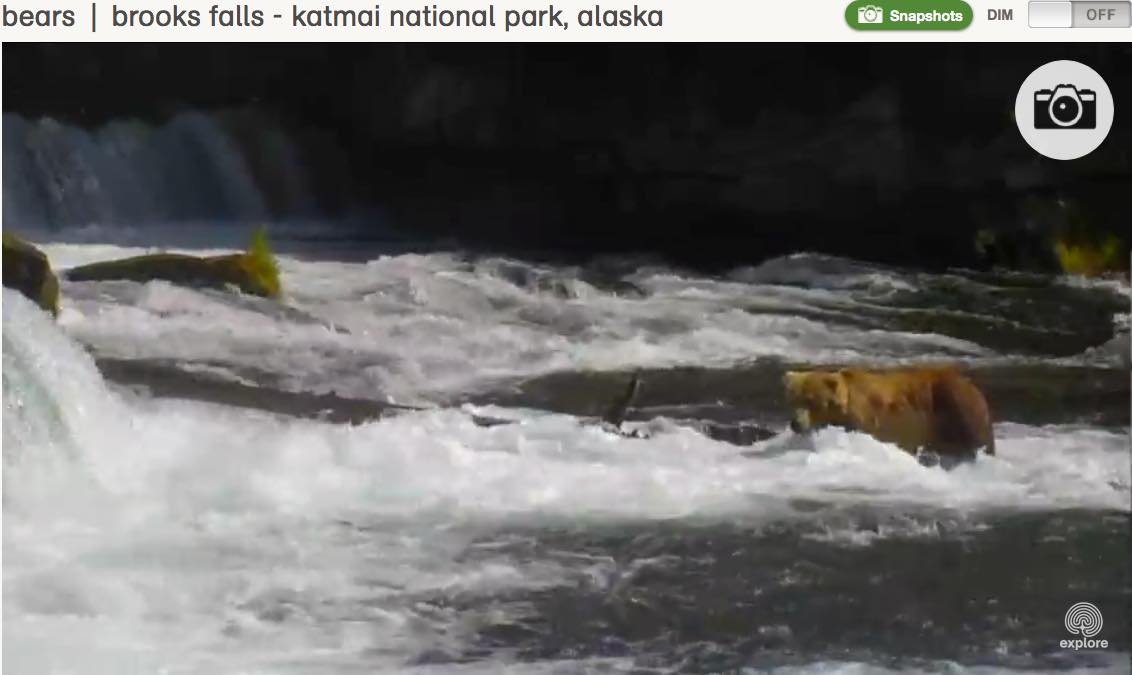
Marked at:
<point>817,397</point>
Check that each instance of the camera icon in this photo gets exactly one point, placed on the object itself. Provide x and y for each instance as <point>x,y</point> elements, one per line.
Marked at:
<point>870,14</point>
<point>1043,111</point>
<point>1065,107</point>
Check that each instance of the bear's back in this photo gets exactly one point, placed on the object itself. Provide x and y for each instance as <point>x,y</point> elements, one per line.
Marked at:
<point>937,408</point>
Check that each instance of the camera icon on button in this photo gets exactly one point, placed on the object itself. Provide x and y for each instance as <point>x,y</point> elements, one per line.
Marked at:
<point>1065,107</point>
<point>870,14</point>
<point>1064,110</point>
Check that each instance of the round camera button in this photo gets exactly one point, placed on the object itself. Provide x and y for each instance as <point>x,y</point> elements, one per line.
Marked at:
<point>1064,110</point>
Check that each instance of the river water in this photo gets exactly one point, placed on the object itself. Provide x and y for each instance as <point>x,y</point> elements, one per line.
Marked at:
<point>197,482</point>
<point>151,533</point>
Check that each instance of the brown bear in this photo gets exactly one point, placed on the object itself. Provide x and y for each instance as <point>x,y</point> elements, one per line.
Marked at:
<point>931,408</point>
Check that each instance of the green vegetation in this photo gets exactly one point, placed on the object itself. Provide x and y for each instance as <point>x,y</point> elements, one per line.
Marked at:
<point>260,266</point>
<point>1072,235</point>
<point>1091,256</point>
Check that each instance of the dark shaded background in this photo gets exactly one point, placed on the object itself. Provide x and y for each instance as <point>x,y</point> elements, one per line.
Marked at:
<point>709,155</point>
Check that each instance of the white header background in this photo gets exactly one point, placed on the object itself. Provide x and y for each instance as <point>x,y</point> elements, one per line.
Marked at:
<point>684,21</point>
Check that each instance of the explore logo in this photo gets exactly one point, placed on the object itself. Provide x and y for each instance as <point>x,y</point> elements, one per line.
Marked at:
<point>1084,619</point>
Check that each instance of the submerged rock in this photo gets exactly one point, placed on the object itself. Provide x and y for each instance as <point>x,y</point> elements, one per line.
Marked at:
<point>27,270</point>
<point>254,272</point>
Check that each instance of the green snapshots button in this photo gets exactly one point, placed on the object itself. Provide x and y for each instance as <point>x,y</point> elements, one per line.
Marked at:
<point>909,14</point>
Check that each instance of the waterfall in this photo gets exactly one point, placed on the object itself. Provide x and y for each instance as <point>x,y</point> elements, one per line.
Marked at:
<point>193,168</point>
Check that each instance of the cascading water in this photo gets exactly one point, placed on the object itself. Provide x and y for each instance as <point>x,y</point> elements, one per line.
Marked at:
<point>170,536</point>
<point>146,534</point>
<point>193,168</point>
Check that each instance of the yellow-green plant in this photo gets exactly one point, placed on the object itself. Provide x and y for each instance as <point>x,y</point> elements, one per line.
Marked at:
<point>1090,258</point>
<point>260,265</point>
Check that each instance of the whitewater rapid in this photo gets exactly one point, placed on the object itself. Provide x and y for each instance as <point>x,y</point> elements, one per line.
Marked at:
<point>412,326</point>
<point>178,537</point>
<point>151,535</point>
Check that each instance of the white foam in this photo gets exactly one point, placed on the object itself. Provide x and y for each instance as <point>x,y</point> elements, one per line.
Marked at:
<point>168,536</point>
<point>815,270</point>
<point>414,326</point>
<point>1117,285</point>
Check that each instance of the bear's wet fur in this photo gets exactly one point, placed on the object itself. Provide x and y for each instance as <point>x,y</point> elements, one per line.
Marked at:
<point>931,409</point>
